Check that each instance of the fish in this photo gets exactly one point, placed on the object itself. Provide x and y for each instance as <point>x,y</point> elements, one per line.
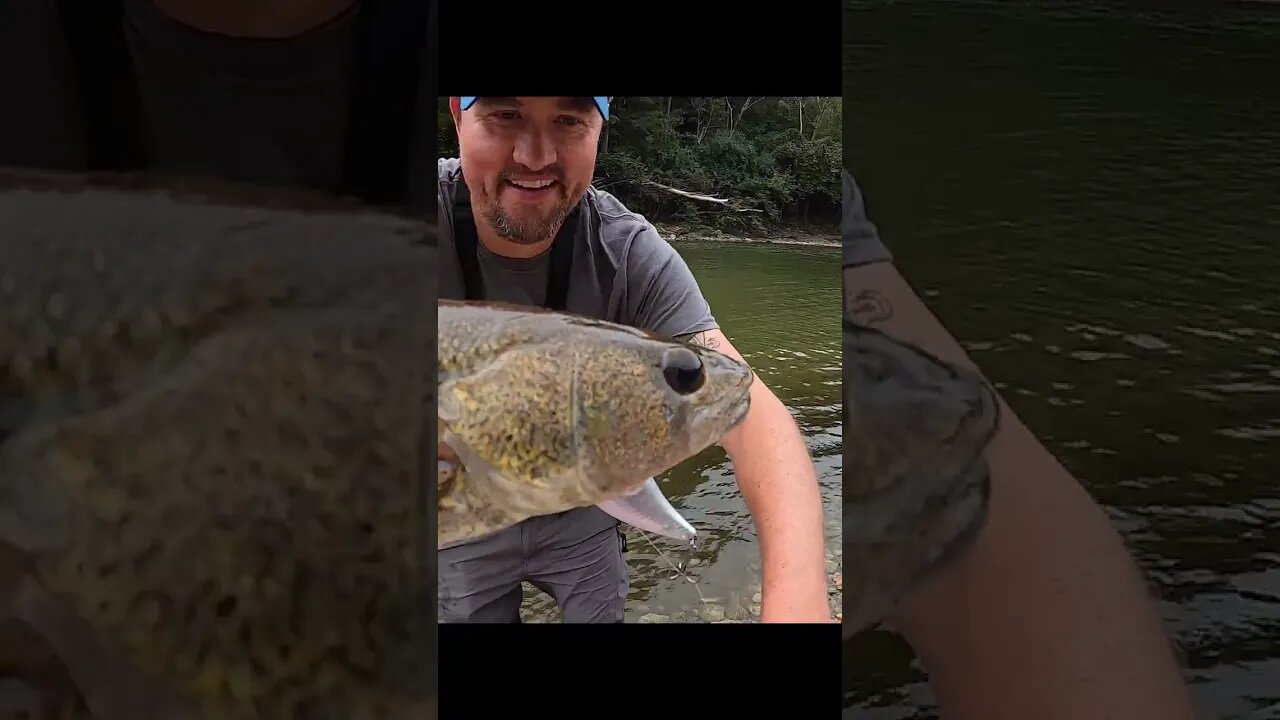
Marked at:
<point>549,411</point>
<point>916,486</point>
<point>213,435</point>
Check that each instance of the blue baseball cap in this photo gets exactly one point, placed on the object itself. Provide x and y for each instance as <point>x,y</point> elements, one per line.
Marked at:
<point>602,104</point>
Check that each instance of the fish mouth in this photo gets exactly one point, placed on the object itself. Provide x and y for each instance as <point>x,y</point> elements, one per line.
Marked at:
<point>741,410</point>
<point>646,507</point>
<point>727,411</point>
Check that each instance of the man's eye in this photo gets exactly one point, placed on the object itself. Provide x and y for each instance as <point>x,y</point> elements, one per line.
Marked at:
<point>567,120</point>
<point>507,115</point>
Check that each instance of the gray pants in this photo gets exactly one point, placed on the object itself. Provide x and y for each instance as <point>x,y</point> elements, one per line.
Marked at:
<point>576,557</point>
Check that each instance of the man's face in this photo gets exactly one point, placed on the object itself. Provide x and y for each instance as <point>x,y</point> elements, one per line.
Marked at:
<point>527,160</point>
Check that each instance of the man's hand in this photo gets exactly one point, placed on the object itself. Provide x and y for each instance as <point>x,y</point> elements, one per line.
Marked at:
<point>779,484</point>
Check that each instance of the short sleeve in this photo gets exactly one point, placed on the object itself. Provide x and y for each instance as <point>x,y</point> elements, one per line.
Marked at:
<point>662,294</point>
<point>860,239</point>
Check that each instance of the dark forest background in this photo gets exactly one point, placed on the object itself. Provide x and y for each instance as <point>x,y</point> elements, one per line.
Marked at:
<point>743,165</point>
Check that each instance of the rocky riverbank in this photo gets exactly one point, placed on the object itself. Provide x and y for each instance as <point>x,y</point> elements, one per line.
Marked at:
<point>675,232</point>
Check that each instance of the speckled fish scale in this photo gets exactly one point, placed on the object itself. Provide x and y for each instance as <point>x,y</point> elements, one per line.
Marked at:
<point>563,411</point>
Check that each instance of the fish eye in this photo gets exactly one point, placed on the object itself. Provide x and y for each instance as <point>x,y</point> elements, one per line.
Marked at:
<point>683,371</point>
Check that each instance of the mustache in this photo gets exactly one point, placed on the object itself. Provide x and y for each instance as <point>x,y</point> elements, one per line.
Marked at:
<point>554,173</point>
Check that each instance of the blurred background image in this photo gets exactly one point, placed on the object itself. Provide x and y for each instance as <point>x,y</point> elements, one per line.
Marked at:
<point>1086,194</point>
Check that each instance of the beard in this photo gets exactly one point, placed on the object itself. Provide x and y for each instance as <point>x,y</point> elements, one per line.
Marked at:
<point>533,227</point>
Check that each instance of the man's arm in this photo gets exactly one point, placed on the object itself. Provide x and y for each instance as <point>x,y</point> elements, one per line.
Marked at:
<point>1046,615</point>
<point>779,484</point>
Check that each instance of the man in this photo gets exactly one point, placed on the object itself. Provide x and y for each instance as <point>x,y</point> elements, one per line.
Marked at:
<point>525,171</point>
<point>1046,615</point>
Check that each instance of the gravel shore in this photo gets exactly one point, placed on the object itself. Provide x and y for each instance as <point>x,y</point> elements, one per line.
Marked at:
<point>538,607</point>
<point>789,236</point>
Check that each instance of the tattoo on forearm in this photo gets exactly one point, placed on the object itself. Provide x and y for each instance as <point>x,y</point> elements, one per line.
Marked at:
<point>704,340</point>
<point>867,307</point>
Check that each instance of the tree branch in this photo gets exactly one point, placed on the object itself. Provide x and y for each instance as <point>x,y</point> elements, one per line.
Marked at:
<point>704,198</point>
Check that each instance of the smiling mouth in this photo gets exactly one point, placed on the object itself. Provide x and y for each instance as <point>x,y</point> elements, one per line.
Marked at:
<point>531,186</point>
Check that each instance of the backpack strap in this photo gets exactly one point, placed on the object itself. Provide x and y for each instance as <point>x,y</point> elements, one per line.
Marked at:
<point>467,243</point>
<point>561,264</point>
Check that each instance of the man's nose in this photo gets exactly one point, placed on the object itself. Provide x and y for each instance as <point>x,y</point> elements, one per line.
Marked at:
<point>534,150</point>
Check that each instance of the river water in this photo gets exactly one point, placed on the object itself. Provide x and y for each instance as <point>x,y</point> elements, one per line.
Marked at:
<point>780,306</point>
<point>1088,195</point>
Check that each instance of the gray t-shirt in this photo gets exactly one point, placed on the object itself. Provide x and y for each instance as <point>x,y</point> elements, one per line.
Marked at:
<point>271,112</point>
<point>860,240</point>
<point>623,271</point>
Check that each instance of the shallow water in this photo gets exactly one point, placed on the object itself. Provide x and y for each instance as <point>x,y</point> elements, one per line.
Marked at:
<point>1088,195</point>
<point>780,306</point>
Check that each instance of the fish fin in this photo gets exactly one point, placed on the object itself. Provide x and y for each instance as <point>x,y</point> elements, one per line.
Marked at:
<point>648,509</point>
<point>465,504</point>
<point>111,687</point>
<point>448,409</point>
<point>470,465</point>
